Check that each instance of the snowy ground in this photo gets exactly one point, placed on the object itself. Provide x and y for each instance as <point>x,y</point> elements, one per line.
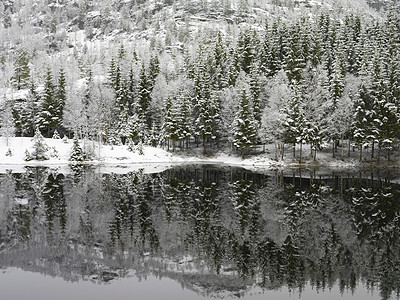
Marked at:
<point>118,159</point>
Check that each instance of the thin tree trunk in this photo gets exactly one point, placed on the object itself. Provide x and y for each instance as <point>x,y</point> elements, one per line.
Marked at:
<point>373,149</point>
<point>342,148</point>
<point>361,148</point>
<point>301,149</point>
<point>283,150</point>
<point>333,150</point>
<point>204,144</point>
<point>348,151</point>
<point>294,150</point>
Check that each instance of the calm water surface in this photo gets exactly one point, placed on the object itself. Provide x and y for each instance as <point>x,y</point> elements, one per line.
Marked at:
<point>199,232</point>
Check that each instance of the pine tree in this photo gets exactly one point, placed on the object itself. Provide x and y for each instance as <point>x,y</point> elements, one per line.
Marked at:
<point>144,90</point>
<point>246,49</point>
<point>294,59</point>
<point>170,127</point>
<point>7,127</point>
<point>244,128</point>
<point>48,115</point>
<point>21,77</point>
<point>294,123</point>
<point>206,108</point>
<point>61,94</point>
<point>255,90</point>
<point>337,82</point>
<point>185,122</point>
<point>56,135</point>
<point>39,147</point>
<point>154,70</point>
<point>28,112</point>
<point>363,117</point>
<point>76,151</point>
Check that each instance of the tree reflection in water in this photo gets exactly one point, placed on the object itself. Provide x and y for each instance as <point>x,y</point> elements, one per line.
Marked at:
<point>218,229</point>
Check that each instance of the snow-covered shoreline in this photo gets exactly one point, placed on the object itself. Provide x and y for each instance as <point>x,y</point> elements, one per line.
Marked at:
<point>118,159</point>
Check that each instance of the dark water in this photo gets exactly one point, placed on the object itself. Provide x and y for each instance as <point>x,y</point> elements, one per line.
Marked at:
<point>199,232</point>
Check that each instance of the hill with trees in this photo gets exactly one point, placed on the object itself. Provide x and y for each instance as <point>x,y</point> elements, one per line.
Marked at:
<point>212,74</point>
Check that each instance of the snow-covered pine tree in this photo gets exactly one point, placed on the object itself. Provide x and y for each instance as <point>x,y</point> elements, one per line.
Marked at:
<point>337,81</point>
<point>363,117</point>
<point>7,127</point>
<point>206,108</point>
<point>294,120</point>
<point>255,90</point>
<point>29,112</point>
<point>246,49</point>
<point>244,127</point>
<point>48,118</point>
<point>144,98</point>
<point>39,147</point>
<point>76,151</point>
<point>61,95</point>
<point>56,135</point>
<point>294,58</point>
<point>185,121</point>
<point>154,70</point>
<point>21,77</point>
<point>170,124</point>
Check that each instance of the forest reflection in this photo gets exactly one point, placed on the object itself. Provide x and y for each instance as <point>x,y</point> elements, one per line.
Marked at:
<point>212,229</point>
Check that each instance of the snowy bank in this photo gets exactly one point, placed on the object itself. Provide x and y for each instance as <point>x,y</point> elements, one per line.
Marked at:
<point>118,159</point>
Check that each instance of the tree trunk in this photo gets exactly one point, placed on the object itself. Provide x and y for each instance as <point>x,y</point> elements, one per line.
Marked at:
<point>373,149</point>
<point>204,144</point>
<point>301,149</point>
<point>361,152</point>
<point>348,151</point>
<point>294,150</point>
<point>333,150</point>
<point>342,148</point>
<point>283,150</point>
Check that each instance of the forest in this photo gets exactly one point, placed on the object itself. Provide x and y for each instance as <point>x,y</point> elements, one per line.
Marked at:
<point>322,80</point>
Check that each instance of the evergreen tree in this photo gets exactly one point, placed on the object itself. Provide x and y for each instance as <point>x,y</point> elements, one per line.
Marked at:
<point>294,58</point>
<point>246,49</point>
<point>206,108</point>
<point>144,90</point>
<point>184,117</point>
<point>170,126</point>
<point>7,127</point>
<point>294,122</point>
<point>48,115</point>
<point>154,70</point>
<point>39,147</point>
<point>76,151</point>
<point>244,128</point>
<point>255,90</point>
<point>28,112</point>
<point>21,77</point>
<point>363,117</point>
<point>61,94</point>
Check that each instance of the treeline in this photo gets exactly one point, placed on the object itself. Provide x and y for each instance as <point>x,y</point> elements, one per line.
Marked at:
<point>312,81</point>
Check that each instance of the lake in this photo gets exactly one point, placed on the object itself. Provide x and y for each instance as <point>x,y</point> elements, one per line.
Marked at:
<point>199,232</point>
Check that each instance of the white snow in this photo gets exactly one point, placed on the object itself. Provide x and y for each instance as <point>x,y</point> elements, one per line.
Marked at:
<point>118,159</point>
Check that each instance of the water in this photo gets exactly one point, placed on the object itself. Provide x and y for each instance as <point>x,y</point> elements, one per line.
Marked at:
<point>199,232</point>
